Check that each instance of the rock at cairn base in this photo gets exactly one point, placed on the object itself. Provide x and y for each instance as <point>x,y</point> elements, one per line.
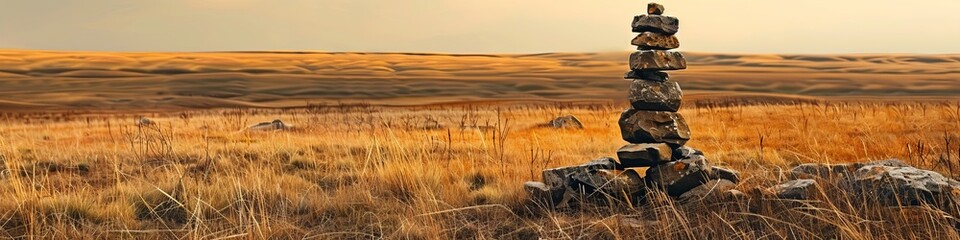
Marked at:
<point>568,121</point>
<point>644,155</point>
<point>655,96</point>
<point>558,178</point>
<point>654,127</point>
<point>647,75</point>
<point>656,23</point>
<point>655,41</point>
<point>655,9</point>
<point>678,177</point>
<point>657,60</point>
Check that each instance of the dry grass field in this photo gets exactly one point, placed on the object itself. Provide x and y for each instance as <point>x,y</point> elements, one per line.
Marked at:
<point>444,172</point>
<point>31,80</point>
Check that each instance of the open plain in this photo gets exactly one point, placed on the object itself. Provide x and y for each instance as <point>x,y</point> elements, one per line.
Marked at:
<point>434,146</point>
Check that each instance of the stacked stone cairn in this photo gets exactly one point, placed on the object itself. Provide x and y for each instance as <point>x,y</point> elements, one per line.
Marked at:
<point>656,133</point>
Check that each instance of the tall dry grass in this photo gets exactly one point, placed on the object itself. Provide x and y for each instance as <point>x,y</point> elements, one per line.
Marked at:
<point>361,172</point>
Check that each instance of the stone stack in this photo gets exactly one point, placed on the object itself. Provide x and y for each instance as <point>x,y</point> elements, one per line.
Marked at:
<point>656,132</point>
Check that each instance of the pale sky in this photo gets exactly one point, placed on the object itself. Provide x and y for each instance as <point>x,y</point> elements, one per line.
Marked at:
<point>477,26</point>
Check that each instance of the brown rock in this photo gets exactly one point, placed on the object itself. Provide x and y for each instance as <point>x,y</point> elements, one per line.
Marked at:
<point>654,9</point>
<point>654,127</point>
<point>648,75</point>
<point>655,41</point>
<point>678,177</point>
<point>656,23</point>
<point>655,96</point>
<point>644,155</point>
<point>657,60</point>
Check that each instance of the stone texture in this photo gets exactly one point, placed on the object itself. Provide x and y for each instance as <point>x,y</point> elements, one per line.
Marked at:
<point>654,127</point>
<point>655,41</point>
<point>894,186</point>
<point>657,60</point>
<point>644,155</point>
<point>678,177</point>
<point>568,121</point>
<point>647,75</point>
<point>655,96</point>
<point>711,191</point>
<point>541,193</point>
<point>656,23</point>
<point>655,9</point>
<point>685,152</point>
<point>800,189</point>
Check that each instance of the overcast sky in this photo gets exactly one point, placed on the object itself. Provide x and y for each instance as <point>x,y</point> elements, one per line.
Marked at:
<point>477,26</point>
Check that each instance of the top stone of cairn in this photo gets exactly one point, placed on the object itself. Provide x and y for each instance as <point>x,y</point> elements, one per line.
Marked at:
<point>654,9</point>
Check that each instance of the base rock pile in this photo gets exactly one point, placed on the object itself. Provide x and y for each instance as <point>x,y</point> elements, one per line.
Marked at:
<point>652,126</point>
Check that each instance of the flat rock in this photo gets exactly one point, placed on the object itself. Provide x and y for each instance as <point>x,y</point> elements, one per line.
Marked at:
<point>656,23</point>
<point>655,41</point>
<point>831,171</point>
<point>799,189</point>
<point>647,75</point>
<point>906,186</point>
<point>644,155</point>
<point>269,126</point>
<point>655,9</point>
<point>657,60</point>
<point>655,96</point>
<point>711,191</point>
<point>558,178</point>
<point>678,177</point>
<point>568,121</point>
<point>654,127</point>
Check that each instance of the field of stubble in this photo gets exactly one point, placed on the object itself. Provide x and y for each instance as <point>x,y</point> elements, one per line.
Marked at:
<point>442,172</point>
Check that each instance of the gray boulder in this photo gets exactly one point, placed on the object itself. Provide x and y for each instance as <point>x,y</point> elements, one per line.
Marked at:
<point>655,96</point>
<point>657,60</point>
<point>800,189</point>
<point>655,41</point>
<point>644,155</point>
<point>831,171</point>
<point>568,121</point>
<point>656,23</point>
<point>654,127</point>
<point>906,186</point>
<point>711,191</point>
<point>655,9</point>
<point>647,75</point>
